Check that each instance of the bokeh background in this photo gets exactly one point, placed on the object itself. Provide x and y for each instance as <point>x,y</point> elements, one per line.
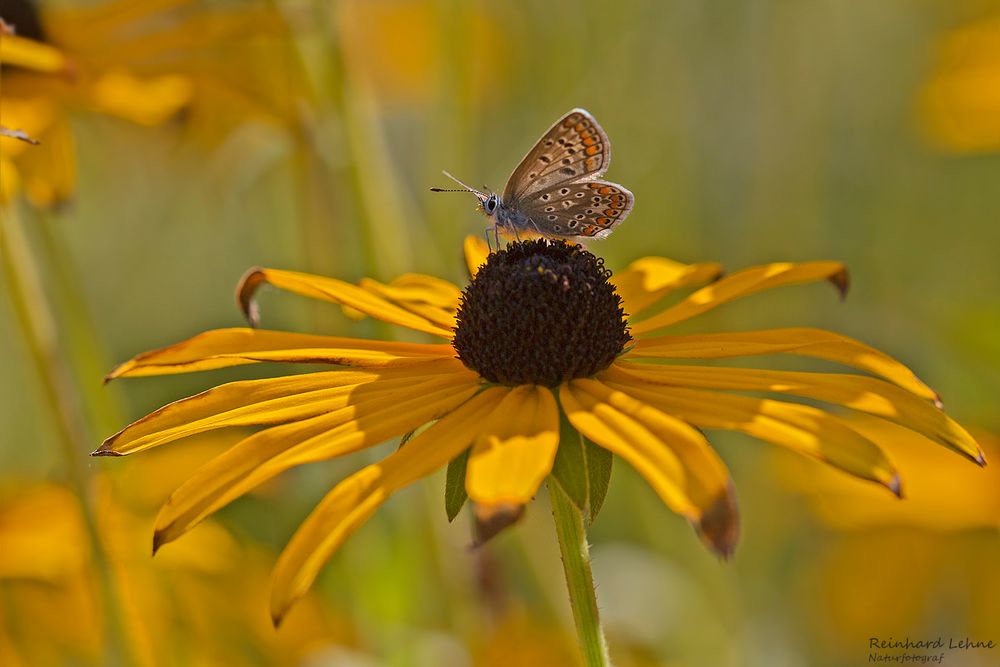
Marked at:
<point>184,142</point>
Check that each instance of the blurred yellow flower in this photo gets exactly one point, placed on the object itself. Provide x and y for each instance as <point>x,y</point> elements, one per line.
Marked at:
<point>960,101</point>
<point>547,379</point>
<point>925,567</point>
<point>143,62</point>
<point>170,608</point>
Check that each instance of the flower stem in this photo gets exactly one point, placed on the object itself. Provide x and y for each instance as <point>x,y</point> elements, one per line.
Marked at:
<point>579,580</point>
<point>21,276</point>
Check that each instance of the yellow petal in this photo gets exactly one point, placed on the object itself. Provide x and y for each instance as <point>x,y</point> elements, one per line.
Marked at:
<point>331,289</point>
<point>514,451</point>
<point>672,456</point>
<point>428,289</point>
<point>476,252</point>
<point>27,53</point>
<point>356,498</point>
<point>804,342</point>
<point>267,401</point>
<point>417,300</point>
<point>146,101</point>
<point>801,428</point>
<point>646,280</point>
<point>220,348</point>
<point>262,456</point>
<point>743,283</point>
<point>866,394</point>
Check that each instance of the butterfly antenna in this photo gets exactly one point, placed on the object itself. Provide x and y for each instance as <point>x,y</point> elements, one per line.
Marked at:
<point>465,187</point>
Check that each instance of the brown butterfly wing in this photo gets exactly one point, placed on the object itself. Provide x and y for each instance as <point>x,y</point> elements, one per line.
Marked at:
<point>575,148</point>
<point>589,209</point>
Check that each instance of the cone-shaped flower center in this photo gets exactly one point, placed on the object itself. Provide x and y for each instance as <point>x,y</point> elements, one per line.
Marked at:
<point>23,15</point>
<point>540,312</point>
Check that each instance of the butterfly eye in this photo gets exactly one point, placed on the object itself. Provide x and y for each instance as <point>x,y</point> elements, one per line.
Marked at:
<point>491,204</point>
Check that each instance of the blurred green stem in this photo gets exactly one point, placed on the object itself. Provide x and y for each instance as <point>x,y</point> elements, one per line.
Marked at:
<point>579,580</point>
<point>24,287</point>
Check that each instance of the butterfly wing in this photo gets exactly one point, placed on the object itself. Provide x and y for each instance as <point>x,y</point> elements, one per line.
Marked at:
<point>588,209</point>
<point>574,149</point>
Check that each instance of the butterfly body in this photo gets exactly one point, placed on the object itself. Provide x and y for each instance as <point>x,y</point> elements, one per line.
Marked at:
<point>555,191</point>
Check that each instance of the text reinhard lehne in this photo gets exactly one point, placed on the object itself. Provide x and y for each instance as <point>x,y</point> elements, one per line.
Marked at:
<point>965,643</point>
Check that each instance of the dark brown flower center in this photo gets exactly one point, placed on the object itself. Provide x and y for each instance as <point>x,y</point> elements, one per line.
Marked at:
<point>23,16</point>
<point>540,312</point>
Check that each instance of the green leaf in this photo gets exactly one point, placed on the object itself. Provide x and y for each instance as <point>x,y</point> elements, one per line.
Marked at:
<point>454,486</point>
<point>570,465</point>
<point>598,474</point>
<point>582,470</point>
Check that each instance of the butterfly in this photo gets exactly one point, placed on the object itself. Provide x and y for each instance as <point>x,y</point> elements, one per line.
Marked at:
<point>555,190</point>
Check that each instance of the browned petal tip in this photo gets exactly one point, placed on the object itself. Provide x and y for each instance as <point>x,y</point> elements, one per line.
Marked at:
<point>719,527</point>
<point>105,450</point>
<point>159,539</point>
<point>938,403</point>
<point>842,282</point>
<point>896,486</point>
<point>981,459</point>
<point>245,292</point>
<point>491,520</point>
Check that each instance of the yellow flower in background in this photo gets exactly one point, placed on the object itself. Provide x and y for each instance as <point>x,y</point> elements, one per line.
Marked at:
<point>169,609</point>
<point>537,373</point>
<point>925,567</point>
<point>144,62</point>
<point>960,101</point>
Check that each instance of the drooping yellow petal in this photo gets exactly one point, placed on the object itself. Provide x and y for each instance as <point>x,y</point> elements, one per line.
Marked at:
<point>331,289</point>
<point>267,401</point>
<point>804,342</point>
<point>801,428</point>
<point>646,280</point>
<point>476,252</point>
<point>858,392</point>
<point>146,101</point>
<point>672,456</point>
<point>515,448</point>
<point>370,420</point>
<point>744,283</point>
<point>27,53</point>
<point>418,300</point>
<point>356,498</point>
<point>219,348</point>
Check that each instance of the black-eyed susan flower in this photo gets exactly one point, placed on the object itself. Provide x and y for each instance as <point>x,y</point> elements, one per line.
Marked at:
<point>143,62</point>
<point>545,366</point>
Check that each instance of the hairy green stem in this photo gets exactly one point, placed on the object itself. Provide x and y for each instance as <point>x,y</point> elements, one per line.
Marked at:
<point>579,580</point>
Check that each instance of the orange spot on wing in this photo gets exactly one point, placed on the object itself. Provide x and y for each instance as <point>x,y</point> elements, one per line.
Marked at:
<point>603,222</point>
<point>591,150</point>
<point>605,190</point>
